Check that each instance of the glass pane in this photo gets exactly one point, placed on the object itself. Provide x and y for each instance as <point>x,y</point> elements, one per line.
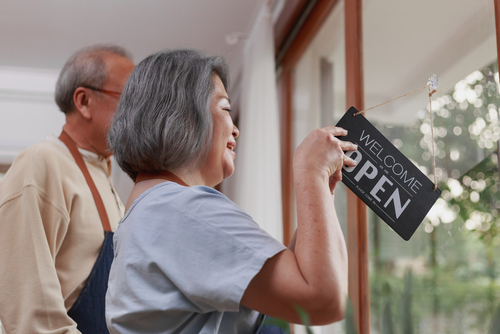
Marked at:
<point>319,100</point>
<point>444,280</point>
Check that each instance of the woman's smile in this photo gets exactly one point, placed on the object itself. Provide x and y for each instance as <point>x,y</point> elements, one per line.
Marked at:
<point>220,163</point>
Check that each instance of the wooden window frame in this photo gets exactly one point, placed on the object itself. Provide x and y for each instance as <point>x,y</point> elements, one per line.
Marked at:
<point>288,54</point>
<point>296,27</point>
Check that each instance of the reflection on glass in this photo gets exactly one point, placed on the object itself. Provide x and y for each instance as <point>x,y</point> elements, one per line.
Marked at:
<point>445,280</point>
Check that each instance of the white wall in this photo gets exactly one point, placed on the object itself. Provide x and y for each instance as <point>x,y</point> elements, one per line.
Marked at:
<point>27,109</point>
<point>28,113</point>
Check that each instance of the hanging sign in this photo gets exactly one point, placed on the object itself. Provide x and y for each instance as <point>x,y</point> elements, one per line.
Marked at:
<point>390,184</point>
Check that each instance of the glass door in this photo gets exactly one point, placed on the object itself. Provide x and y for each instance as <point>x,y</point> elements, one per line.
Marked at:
<point>445,279</point>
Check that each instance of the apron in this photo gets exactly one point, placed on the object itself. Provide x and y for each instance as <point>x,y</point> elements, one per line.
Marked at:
<point>265,327</point>
<point>88,309</point>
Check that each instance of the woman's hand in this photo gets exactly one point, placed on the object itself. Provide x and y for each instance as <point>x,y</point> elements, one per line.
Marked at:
<point>321,152</point>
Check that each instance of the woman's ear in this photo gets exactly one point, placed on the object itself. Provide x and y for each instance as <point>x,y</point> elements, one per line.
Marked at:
<point>82,99</point>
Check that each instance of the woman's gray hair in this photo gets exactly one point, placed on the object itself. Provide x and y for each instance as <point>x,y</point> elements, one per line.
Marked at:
<point>86,67</point>
<point>163,120</point>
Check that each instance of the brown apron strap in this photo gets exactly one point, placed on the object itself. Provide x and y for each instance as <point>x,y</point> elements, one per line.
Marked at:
<point>79,161</point>
<point>166,175</point>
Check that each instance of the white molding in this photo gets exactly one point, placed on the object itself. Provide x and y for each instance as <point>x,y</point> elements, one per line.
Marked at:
<point>26,96</point>
<point>29,81</point>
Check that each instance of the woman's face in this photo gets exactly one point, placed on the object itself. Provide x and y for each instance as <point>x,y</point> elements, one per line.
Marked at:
<point>219,164</point>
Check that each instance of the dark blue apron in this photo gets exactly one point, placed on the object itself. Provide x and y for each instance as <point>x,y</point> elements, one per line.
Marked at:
<point>269,326</point>
<point>88,309</point>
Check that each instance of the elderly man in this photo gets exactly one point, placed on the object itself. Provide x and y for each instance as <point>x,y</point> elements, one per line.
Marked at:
<point>58,207</point>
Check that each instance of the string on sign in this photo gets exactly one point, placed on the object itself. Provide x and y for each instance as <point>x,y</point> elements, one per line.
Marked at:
<point>432,84</point>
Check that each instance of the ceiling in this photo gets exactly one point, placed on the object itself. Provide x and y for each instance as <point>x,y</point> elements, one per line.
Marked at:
<point>43,34</point>
<point>404,43</point>
<point>37,37</point>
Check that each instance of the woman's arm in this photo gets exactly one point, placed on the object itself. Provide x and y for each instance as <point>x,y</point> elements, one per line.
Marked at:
<point>314,275</point>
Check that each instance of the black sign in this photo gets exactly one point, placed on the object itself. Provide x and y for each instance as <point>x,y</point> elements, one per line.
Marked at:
<point>390,184</point>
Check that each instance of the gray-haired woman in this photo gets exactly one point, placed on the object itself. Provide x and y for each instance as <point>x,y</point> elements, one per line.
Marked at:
<point>187,259</point>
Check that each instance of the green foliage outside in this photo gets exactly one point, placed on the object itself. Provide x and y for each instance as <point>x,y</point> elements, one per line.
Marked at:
<point>453,285</point>
<point>446,279</point>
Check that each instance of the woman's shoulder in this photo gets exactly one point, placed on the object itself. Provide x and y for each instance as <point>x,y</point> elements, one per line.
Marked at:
<point>176,194</point>
<point>170,213</point>
<point>171,198</point>
<point>169,210</point>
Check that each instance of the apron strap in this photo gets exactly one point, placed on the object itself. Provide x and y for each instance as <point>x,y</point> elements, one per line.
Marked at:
<point>79,161</point>
<point>165,175</point>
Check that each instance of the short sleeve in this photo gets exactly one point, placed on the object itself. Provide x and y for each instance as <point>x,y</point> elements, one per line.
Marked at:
<point>195,246</point>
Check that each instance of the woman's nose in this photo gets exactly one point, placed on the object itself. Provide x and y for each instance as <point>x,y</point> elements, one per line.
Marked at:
<point>236,132</point>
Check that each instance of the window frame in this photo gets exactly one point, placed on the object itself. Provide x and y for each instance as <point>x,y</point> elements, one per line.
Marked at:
<point>296,27</point>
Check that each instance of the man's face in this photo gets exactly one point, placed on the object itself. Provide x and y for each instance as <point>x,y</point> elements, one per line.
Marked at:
<point>119,69</point>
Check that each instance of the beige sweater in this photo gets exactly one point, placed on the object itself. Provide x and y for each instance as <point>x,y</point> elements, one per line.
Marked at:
<point>50,235</point>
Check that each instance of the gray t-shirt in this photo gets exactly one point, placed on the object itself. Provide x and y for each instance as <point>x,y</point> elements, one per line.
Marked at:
<point>184,256</point>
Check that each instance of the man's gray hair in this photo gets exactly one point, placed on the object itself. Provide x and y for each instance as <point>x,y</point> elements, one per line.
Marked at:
<point>163,120</point>
<point>86,67</point>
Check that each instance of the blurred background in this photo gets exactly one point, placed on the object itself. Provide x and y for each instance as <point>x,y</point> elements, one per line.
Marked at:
<point>446,278</point>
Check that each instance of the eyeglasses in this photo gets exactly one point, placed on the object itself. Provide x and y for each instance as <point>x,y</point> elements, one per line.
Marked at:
<point>109,92</point>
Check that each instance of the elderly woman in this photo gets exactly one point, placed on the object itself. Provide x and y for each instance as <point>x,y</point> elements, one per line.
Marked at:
<point>187,259</point>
